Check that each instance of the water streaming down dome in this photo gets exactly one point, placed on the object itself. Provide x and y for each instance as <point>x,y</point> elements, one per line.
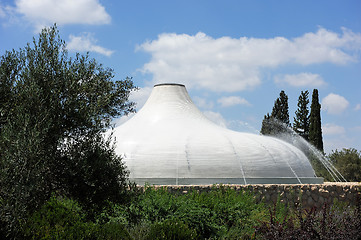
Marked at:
<point>169,141</point>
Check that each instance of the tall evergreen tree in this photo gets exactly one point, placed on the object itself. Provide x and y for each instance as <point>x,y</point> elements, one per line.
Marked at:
<point>280,109</point>
<point>301,122</point>
<point>279,120</point>
<point>266,127</point>
<point>315,135</point>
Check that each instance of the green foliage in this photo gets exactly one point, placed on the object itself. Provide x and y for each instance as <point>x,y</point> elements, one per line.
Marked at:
<point>113,213</point>
<point>159,205</point>
<point>278,121</point>
<point>325,223</point>
<point>59,218</point>
<point>112,231</point>
<point>267,125</point>
<point>274,127</point>
<point>8,72</point>
<point>315,135</point>
<point>140,230</point>
<point>53,113</point>
<point>92,173</point>
<point>280,109</point>
<point>319,168</point>
<point>231,210</point>
<point>211,214</point>
<point>63,218</point>
<point>155,205</point>
<point>348,163</point>
<point>197,216</point>
<point>301,121</point>
<point>171,229</point>
<point>24,174</point>
<point>221,213</point>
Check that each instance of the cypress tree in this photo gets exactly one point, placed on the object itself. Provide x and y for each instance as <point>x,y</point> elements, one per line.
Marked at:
<point>266,128</point>
<point>280,109</point>
<point>315,135</point>
<point>301,122</point>
<point>274,124</point>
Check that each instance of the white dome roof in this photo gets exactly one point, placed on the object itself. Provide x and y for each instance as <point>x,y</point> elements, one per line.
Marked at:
<point>169,141</point>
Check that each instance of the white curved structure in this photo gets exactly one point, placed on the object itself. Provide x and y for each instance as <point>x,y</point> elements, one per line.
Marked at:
<point>169,141</point>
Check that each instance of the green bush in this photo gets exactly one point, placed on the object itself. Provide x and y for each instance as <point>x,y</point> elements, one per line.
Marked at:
<point>211,214</point>
<point>197,216</point>
<point>159,205</point>
<point>63,218</point>
<point>154,205</point>
<point>222,213</point>
<point>112,231</point>
<point>171,229</point>
<point>140,230</point>
<point>329,222</point>
<point>231,210</point>
<point>59,218</point>
<point>113,213</point>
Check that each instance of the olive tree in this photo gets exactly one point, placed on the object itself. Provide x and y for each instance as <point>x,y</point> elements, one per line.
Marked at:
<point>54,110</point>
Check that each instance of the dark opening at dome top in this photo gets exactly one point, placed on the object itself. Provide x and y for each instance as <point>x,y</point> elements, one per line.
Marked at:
<point>169,84</point>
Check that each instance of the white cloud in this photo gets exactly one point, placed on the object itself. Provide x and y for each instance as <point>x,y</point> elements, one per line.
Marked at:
<point>232,100</point>
<point>45,12</point>
<point>2,12</point>
<point>242,126</point>
<point>86,42</point>
<point>9,15</point>
<point>203,103</point>
<point>334,104</point>
<point>332,129</point>
<point>357,107</point>
<point>140,96</point>
<point>356,129</point>
<point>332,143</point>
<point>301,80</point>
<point>216,117</point>
<point>228,64</point>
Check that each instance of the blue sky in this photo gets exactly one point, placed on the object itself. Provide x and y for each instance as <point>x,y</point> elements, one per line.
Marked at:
<point>233,56</point>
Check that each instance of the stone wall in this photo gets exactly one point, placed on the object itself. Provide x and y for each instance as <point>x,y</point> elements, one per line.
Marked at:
<point>308,195</point>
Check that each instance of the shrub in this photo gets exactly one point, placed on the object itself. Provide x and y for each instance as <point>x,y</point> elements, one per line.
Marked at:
<point>59,218</point>
<point>113,213</point>
<point>325,223</point>
<point>63,218</point>
<point>197,216</point>
<point>154,205</point>
<point>232,210</point>
<point>159,205</point>
<point>211,214</point>
<point>112,231</point>
<point>171,229</point>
